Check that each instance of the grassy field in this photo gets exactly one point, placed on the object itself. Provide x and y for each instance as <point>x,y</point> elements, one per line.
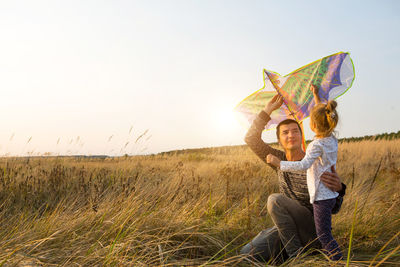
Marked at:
<point>196,207</point>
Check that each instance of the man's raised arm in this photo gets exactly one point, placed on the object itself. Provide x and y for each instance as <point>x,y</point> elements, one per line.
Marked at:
<point>253,136</point>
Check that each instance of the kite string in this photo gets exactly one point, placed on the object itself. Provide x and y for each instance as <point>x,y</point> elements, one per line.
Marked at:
<point>284,100</point>
<point>303,138</point>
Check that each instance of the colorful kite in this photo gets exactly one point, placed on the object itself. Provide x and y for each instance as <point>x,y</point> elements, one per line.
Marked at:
<point>333,75</point>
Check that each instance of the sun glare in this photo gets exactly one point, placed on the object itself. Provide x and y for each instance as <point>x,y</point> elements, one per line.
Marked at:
<point>225,120</point>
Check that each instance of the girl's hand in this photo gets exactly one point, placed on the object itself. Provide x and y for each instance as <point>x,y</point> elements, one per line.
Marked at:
<point>274,161</point>
<point>314,89</point>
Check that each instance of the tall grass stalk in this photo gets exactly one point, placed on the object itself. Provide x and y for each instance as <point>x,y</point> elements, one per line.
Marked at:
<point>351,234</point>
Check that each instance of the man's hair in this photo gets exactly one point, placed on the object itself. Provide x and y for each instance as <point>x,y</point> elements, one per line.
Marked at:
<point>286,122</point>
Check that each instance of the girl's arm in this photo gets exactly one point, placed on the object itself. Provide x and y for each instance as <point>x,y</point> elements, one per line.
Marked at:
<point>313,152</point>
<point>315,91</point>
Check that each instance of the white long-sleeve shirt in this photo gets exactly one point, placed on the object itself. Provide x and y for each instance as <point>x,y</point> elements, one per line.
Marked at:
<point>321,154</point>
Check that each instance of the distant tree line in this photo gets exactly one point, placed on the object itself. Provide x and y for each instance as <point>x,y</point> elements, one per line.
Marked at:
<point>384,136</point>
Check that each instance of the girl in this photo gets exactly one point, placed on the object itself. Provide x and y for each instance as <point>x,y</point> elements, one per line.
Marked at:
<point>321,154</point>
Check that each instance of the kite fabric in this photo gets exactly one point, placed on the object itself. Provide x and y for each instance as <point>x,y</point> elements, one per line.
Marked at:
<point>333,75</point>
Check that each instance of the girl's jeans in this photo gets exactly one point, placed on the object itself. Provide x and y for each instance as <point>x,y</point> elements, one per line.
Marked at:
<point>323,227</point>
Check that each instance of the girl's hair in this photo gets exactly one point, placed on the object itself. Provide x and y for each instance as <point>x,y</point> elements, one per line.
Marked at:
<point>325,118</point>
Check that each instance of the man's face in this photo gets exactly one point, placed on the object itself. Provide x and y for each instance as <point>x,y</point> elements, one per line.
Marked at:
<point>290,136</point>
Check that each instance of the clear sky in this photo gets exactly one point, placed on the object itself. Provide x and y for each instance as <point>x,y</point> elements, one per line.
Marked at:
<point>89,77</point>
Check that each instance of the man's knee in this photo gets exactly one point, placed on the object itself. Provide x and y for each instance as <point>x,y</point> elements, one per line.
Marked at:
<point>274,202</point>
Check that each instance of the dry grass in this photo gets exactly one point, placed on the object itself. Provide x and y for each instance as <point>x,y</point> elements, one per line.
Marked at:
<point>193,208</point>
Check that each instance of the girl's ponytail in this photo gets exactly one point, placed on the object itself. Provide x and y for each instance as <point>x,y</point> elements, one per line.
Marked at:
<point>331,105</point>
<point>331,114</point>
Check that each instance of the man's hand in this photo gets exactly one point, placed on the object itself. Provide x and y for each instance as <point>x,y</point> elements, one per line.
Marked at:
<point>332,180</point>
<point>273,104</point>
<point>274,161</point>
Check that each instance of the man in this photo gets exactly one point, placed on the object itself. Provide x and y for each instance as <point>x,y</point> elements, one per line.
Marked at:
<point>290,210</point>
